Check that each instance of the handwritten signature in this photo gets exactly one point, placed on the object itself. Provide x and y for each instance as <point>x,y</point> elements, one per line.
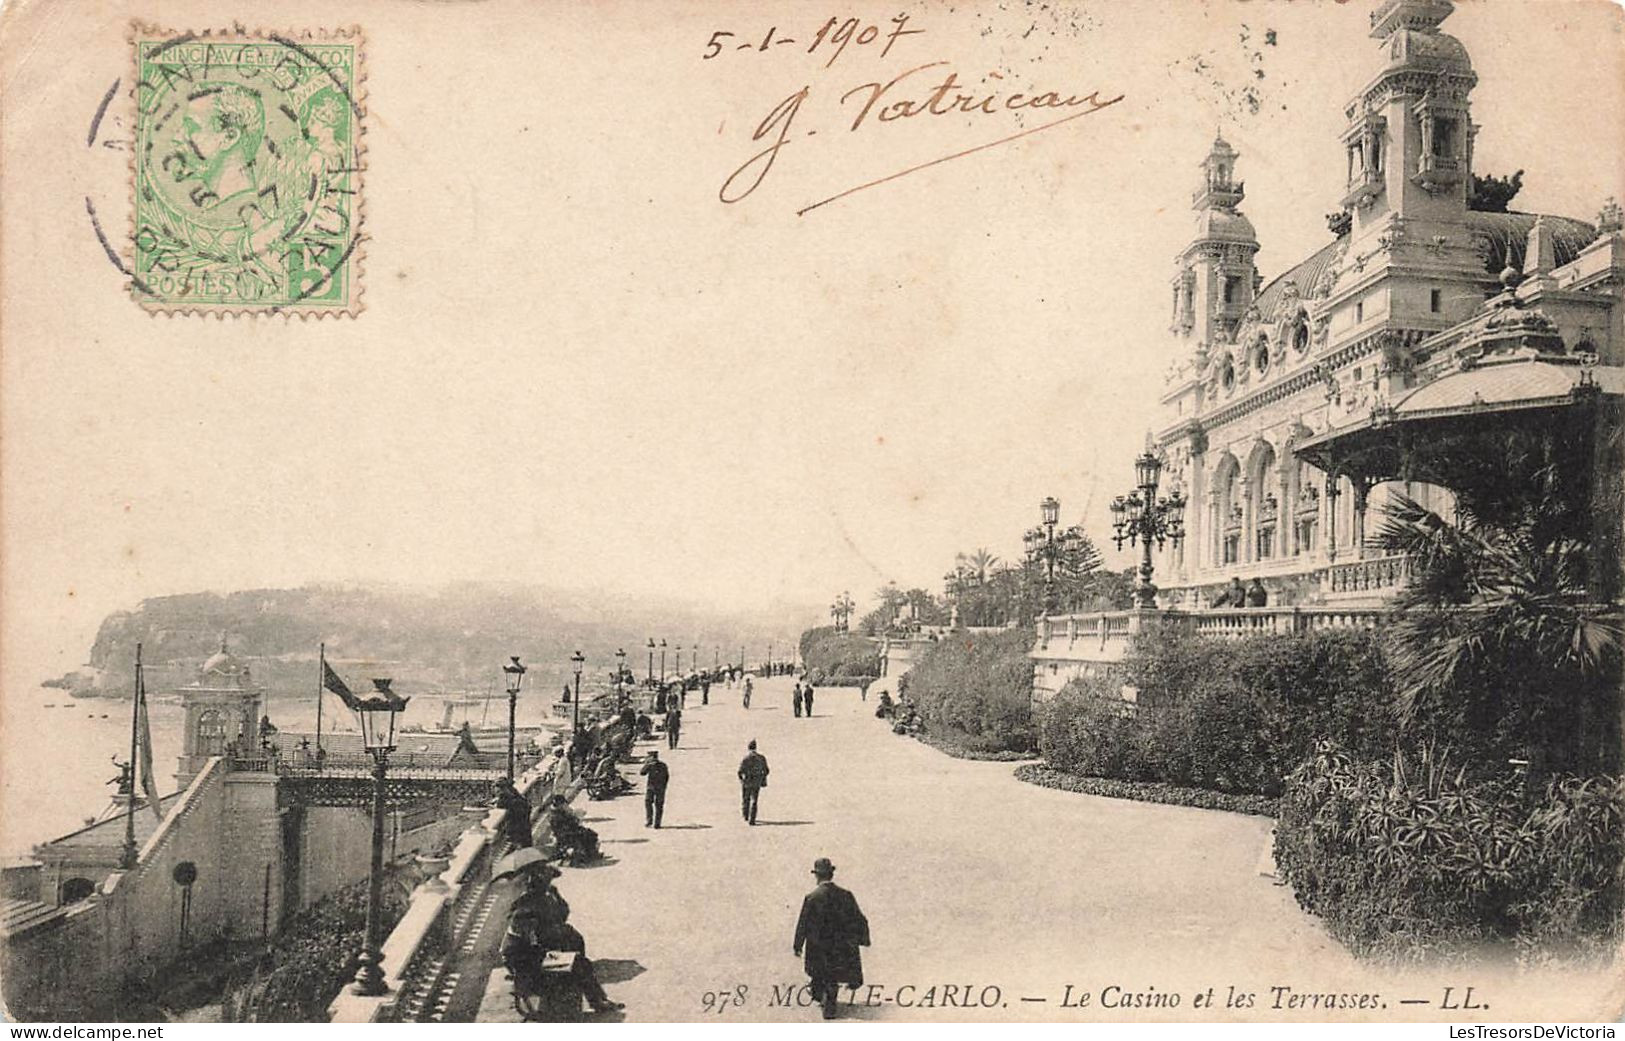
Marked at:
<point>899,99</point>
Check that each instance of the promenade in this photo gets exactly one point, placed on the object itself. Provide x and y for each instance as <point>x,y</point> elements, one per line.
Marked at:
<point>970,879</point>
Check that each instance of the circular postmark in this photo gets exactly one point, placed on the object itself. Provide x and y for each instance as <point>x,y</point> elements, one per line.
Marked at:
<point>245,172</point>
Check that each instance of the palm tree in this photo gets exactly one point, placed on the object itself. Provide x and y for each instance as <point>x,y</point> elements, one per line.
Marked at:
<point>1497,635</point>
<point>979,564</point>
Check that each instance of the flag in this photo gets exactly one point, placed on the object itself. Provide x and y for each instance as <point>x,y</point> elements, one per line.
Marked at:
<point>149,784</point>
<point>331,681</point>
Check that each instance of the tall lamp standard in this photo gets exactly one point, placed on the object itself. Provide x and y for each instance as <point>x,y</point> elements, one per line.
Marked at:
<point>1045,547</point>
<point>651,661</point>
<point>1141,516</point>
<point>677,669</point>
<point>578,659</point>
<point>662,659</point>
<point>620,667</point>
<point>377,711</point>
<point>841,610</point>
<point>514,674</point>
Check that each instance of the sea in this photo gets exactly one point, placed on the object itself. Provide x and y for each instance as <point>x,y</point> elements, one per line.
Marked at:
<point>57,751</point>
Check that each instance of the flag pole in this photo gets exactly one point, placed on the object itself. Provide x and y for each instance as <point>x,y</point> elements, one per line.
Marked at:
<point>128,859</point>
<point>321,681</point>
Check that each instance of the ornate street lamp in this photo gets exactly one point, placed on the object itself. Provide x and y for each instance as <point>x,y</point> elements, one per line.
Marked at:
<point>578,659</point>
<point>1141,517</point>
<point>377,711</point>
<point>662,660</point>
<point>620,668</point>
<point>651,661</point>
<point>514,674</point>
<point>1044,547</point>
<point>841,610</point>
<point>678,668</point>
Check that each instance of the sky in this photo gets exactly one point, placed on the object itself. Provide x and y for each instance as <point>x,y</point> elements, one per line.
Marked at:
<point>578,367</point>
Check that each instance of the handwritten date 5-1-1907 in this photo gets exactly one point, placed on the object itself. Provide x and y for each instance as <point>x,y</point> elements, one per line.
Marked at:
<point>834,37</point>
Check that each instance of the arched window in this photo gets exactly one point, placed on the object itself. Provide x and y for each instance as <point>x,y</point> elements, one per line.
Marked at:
<point>1261,354</point>
<point>211,733</point>
<point>1227,375</point>
<point>1300,333</point>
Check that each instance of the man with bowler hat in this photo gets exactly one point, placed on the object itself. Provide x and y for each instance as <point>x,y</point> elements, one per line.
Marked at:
<point>752,779</point>
<point>654,790</point>
<point>831,929</point>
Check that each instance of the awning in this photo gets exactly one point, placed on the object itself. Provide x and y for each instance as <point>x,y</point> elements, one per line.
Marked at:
<point>1399,441</point>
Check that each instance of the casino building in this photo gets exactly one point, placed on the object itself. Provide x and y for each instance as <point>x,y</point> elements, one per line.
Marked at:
<point>1423,332</point>
<point>1297,405</point>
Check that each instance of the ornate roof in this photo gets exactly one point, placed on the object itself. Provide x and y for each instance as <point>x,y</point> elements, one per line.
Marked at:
<point>1501,237</point>
<point>1306,275</point>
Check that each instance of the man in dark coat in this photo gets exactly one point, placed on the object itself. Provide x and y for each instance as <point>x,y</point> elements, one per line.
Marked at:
<point>752,779</point>
<point>516,825</point>
<point>806,699</point>
<point>654,790</point>
<point>831,928</point>
<point>674,723</point>
<point>540,922</point>
<point>795,700</point>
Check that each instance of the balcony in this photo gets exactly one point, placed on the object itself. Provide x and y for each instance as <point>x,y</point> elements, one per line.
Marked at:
<point>1436,172</point>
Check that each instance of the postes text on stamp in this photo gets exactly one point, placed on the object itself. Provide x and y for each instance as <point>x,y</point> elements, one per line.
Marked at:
<point>247,172</point>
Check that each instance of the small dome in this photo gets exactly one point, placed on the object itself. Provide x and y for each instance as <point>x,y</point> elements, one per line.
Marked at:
<point>1410,46</point>
<point>1225,225</point>
<point>224,663</point>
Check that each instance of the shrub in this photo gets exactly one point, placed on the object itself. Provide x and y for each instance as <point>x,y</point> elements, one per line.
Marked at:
<point>1230,716</point>
<point>1409,857</point>
<point>975,689</point>
<point>838,658</point>
<point>312,959</point>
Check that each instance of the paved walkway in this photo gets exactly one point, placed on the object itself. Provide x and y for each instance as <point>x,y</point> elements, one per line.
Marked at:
<point>970,879</point>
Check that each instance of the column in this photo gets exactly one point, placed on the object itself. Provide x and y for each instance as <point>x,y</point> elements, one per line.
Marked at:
<point>1328,527</point>
<point>1246,551</point>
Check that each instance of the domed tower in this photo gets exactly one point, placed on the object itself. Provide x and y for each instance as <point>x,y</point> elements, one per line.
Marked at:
<point>1409,139</point>
<point>223,707</point>
<point>1215,280</point>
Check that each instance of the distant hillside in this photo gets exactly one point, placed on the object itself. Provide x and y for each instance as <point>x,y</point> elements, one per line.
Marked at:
<point>453,637</point>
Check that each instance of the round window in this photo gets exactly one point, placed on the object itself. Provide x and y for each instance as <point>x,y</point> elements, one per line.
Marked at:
<point>1227,377</point>
<point>1300,335</point>
<point>1261,355</point>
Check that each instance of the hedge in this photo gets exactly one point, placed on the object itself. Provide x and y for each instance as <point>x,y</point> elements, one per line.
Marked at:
<point>839,659</point>
<point>975,690</point>
<point>1232,716</point>
<point>1408,858</point>
<point>1146,791</point>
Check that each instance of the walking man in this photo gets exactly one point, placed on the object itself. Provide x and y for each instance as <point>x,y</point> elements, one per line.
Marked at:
<point>831,929</point>
<point>795,700</point>
<point>654,790</point>
<point>674,723</point>
<point>806,699</point>
<point>752,779</point>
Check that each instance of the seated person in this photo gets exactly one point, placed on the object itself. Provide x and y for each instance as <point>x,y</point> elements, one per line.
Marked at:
<point>645,727</point>
<point>540,922</point>
<point>606,776</point>
<point>572,840</point>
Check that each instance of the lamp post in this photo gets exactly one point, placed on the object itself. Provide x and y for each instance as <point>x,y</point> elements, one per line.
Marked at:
<point>377,712</point>
<point>651,661</point>
<point>1047,548</point>
<point>678,667</point>
<point>662,659</point>
<point>1140,516</point>
<point>620,668</point>
<point>841,610</point>
<point>578,659</point>
<point>514,674</point>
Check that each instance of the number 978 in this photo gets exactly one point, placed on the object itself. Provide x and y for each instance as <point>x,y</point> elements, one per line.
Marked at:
<point>719,1001</point>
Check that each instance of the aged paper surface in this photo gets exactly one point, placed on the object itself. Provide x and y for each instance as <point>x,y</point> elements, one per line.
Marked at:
<point>701,312</point>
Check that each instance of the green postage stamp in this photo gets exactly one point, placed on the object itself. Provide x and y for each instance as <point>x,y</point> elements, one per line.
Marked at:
<point>247,172</point>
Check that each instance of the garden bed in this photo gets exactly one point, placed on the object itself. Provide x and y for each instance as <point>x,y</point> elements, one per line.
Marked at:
<point>961,750</point>
<point>1147,791</point>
